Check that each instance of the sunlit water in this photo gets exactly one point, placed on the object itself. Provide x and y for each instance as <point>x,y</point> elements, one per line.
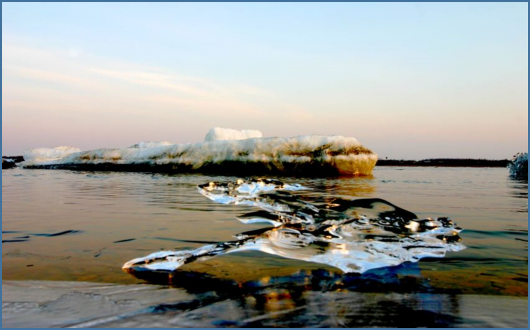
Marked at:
<point>83,226</point>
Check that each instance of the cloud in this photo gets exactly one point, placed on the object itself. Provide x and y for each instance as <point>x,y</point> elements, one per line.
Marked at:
<point>74,52</point>
<point>64,88</point>
<point>92,75</point>
<point>47,76</point>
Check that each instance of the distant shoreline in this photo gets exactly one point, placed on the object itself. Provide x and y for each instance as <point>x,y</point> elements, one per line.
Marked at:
<point>434,162</point>
<point>445,162</point>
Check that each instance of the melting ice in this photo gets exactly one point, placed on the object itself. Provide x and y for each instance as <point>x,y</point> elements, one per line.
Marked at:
<point>352,235</point>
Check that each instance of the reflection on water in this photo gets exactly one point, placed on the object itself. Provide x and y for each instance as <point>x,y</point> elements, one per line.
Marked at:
<point>519,189</point>
<point>109,218</point>
<point>386,297</point>
<point>344,187</point>
<point>314,298</point>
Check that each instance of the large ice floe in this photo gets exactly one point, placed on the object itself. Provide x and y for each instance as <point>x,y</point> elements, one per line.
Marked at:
<point>228,153</point>
<point>352,235</point>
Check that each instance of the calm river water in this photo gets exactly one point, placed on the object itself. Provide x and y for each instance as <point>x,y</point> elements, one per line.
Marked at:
<point>83,226</point>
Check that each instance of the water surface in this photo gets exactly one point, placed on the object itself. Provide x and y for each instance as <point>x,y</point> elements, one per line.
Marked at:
<point>83,226</point>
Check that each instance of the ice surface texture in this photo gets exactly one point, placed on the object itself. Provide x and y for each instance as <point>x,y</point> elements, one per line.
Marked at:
<point>47,154</point>
<point>352,235</point>
<point>151,144</point>
<point>309,155</point>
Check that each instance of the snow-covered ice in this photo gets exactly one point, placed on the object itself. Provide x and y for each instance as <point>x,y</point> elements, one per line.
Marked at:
<point>151,144</point>
<point>47,154</point>
<point>218,133</point>
<point>307,155</point>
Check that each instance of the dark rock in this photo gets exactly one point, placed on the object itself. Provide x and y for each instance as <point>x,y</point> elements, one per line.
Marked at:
<point>8,163</point>
<point>16,159</point>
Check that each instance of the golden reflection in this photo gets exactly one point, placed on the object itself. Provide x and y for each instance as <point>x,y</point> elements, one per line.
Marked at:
<point>340,249</point>
<point>278,300</point>
<point>265,280</point>
<point>350,186</point>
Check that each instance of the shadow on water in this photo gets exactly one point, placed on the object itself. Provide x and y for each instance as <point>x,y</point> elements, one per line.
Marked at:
<point>405,278</point>
<point>24,236</point>
<point>317,298</point>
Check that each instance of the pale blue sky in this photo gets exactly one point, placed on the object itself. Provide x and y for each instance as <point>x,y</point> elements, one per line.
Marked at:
<point>408,80</point>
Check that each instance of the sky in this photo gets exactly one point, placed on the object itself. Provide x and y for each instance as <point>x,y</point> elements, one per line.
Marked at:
<point>408,80</point>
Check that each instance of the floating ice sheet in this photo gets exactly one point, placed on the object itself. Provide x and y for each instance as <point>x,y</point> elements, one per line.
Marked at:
<point>352,235</point>
<point>247,192</point>
<point>308,155</point>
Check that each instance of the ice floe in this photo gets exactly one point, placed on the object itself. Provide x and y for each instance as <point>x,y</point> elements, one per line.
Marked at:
<point>309,155</point>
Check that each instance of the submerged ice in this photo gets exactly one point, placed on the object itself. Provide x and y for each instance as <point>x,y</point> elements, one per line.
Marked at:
<point>352,235</point>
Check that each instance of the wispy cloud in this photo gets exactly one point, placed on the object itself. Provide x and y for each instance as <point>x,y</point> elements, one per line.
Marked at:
<point>54,85</point>
<point>92,74</point>
<point>48,76</point>
<point>163,82</point>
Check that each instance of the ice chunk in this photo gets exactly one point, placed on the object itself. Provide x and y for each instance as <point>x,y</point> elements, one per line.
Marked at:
<point>518,166</point>
<point>218,133</point>
<point>352,235</point>
<point>242,191</point>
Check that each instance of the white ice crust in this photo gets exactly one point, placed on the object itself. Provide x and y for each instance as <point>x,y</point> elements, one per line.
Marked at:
<point>47,154</point>
<point>247,193</point>
<point>151,144</point>
<point>218,133</point>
